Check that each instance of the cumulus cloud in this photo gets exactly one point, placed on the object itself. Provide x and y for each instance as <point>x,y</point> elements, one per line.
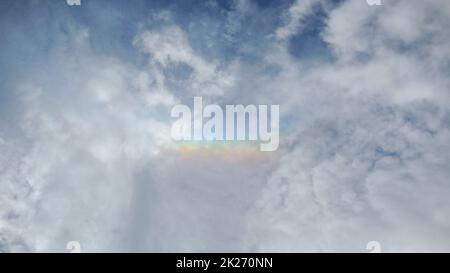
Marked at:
<point>364,163</point>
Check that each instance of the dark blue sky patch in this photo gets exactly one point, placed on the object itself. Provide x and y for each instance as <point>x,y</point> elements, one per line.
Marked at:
<point>308,44</point>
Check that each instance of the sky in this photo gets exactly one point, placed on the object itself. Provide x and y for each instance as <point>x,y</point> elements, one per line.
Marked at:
<point>86,153</point>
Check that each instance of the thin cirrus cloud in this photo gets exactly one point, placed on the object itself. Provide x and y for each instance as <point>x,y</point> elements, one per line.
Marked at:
<point>85,150</point>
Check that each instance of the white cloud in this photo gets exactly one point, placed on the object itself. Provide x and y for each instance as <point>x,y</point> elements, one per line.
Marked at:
<point>296,14</point>
<point>366,158</point>
<point>170,46</point>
